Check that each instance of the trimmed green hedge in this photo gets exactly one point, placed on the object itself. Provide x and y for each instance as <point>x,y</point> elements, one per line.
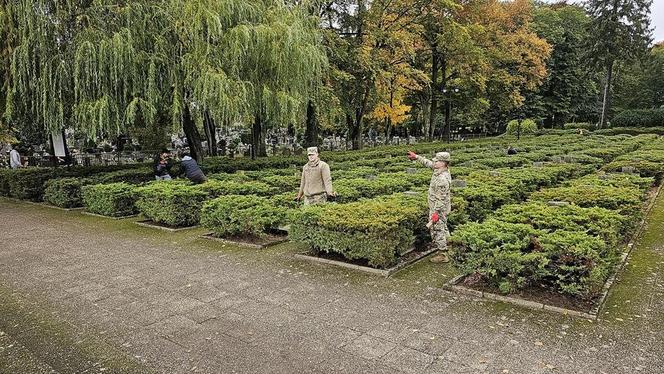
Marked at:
<point>514,255</point>
<point>65,192</point>
<point>28,183</point>
<point>639,118</point>
<point>579,125</point>
<point>113,199</point>
<point>173,204</point>
<point>377,230</point>
<point>626,200</point>
<point>236,215</point>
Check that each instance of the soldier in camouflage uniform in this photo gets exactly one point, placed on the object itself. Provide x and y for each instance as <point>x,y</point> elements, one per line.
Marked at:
<point>316,182</point>
<point>439,201</point>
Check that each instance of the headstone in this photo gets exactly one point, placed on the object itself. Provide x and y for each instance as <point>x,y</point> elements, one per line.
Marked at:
<point>459,183</point>
<point>556,159</point>
<point>494,173</point>
<point>411,193</point>
<point>557,203</point>
<point>370,177</point>
<point>604,176</point>
<point>628,169</point>
<point>411,170</point>
<point>538,164</point>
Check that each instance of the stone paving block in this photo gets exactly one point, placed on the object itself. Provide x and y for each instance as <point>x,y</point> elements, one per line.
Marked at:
<point>369,347</point>
<point>407,360</point>
<point>115,302</point>
<point>429,343</point>
<point>348,363</point>
<point>202,292</point>
<point>394,332</point>
<point>202,313</point>
<point>229,301</point>
<point>441,365</point>
<point>171,325</point>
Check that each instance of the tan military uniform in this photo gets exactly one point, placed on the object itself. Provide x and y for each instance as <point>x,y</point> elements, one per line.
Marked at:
<point>316,183</point>
<point>439,201</point>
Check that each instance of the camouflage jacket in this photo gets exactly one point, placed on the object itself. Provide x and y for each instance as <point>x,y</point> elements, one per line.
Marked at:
<point>440,196</point>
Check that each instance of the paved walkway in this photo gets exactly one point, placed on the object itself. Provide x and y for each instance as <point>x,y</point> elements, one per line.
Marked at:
<point>177,304</point>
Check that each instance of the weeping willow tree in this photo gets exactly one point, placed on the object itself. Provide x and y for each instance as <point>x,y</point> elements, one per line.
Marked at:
<point>102,67</point>
<point>37,37</point>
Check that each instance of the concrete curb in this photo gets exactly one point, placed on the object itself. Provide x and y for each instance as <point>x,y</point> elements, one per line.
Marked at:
<point>210,236</point>
<point>109,217</point>
<point>384,272</point>
<point>152,225</point>
<point>593,314</point>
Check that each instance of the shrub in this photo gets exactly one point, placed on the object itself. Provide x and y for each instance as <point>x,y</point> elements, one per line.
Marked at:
<point>65,192</point>
<point>28,183</point>
<point>134,176</point>
<point>580,125</point>
<point>639,118</point>
<point>5,174</point>
<point>377,231</point>
<point>113,199</point>
<point>513,255</point>
<point>173,204</point>
<point>226,177</point>
<point>603,223</point>
<point>659,130</point>
<point>526,127</point>
<point>282,183</point>
<point>626,200</point>
<point>217,188</point>
<point>234,215</point>
<point>648,163</point>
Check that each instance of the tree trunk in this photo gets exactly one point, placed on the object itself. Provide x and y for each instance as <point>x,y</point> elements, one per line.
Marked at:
<point>607,91</point>
<point>211,134</point>
<point>258,139</point>
<point>311,132</point>
<point>192,134</point>
<point>433,109</point>
<point>448,129</point>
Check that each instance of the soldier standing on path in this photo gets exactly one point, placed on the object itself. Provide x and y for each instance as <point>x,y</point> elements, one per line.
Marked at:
<point>439,201</point>
<point>316,183</point>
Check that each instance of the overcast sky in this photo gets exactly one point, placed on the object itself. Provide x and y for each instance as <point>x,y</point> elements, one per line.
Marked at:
<point>656,17</point>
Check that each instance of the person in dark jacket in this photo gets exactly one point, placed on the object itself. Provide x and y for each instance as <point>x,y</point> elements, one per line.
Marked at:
<point>163,165</point>
<point>191,169</point>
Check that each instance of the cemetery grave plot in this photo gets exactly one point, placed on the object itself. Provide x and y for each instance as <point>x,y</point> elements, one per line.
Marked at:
<point>505,232</point>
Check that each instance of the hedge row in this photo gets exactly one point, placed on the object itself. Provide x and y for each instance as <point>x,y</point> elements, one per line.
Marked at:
<point>570,249</point>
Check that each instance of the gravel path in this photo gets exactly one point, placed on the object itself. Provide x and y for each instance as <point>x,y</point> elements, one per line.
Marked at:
<point>173,303</point>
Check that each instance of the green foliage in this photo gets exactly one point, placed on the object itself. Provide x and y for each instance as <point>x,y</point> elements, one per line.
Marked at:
<point>522,127</point>
<point>235,215</point>
<point>639,118</point>
<point>373,230</point>
<point>626,200</point>
<point>173,204</point>
<point>65,192</point>
<point>28,183</point>
<point>282,183</point>
<point>648,163</point>
<point>113,200</point>
<point>580,125</point>
<point>514,255</point>
<point>603,223</point>
<point>134,176</point>
<point>218,188</point>
<point>631,130</point>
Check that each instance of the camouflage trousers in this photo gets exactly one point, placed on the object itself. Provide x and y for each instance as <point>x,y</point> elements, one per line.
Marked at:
<point>439,235</point>
<point>315,199</point>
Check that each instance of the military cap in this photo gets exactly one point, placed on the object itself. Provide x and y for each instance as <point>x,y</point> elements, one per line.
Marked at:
<point>442,156</point>
<point>312,150</point>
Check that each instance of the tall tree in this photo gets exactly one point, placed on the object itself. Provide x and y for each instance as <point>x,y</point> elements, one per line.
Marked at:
<point>619,30</point>
<point>640,84</point>
<point>569,90</point>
